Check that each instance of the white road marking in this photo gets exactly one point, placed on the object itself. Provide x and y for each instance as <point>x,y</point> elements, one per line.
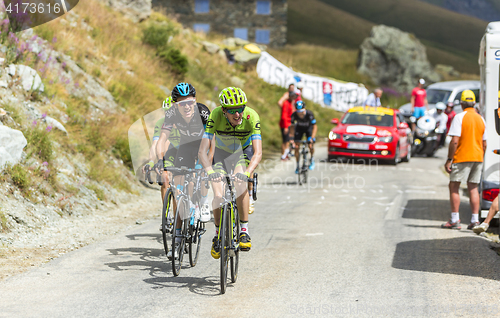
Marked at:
<point>393,213</point>
<point>362,203</point>
<point>419,191</point>
<point>314,234</point>
<point>322,197</point>
<point>325,190</point>
<point>376,198</point>
<point>384,204</point>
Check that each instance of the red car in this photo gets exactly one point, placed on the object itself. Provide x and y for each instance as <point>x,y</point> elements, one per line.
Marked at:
<point>371,132</point>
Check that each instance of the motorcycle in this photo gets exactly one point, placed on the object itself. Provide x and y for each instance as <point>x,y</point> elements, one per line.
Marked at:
<point>425,136</point>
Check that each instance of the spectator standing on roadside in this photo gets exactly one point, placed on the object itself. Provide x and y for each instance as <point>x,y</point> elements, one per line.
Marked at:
<point>286,95</point>
<point>419,101</point>
<point>491,214</point>
<point>465,159</point>
<point>450,113</point>
<point>287,108</point>
<point>373,99</point>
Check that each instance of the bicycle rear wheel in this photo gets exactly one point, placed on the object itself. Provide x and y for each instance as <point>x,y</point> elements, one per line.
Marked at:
<point>168,201</point>
<point>236,239</point>
<point>224,246</point>
<point>182,211</point>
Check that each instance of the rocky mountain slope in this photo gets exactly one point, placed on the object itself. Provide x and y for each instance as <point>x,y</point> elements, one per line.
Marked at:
<point>488,10</point>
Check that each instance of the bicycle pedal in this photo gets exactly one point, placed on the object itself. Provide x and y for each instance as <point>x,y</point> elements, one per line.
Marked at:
<point>201,232</point>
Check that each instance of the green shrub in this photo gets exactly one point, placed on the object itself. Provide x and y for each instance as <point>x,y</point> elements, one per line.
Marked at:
<point>19,177</point>
<point>3,221</point>
<point>176,59</point>
<point>39,142</point>
<point>121,150</point>
<point>98,192</point>
<point>157,34</point>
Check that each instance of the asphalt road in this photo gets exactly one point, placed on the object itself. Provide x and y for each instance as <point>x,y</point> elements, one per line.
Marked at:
<point>358,240</point>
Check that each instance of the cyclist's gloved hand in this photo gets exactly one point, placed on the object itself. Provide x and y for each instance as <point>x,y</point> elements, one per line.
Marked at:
<point>243,176</point>
<point>159,165</point>
<point>314,140</point>
<point>212,175</point>
<point>148,166</point>
<point>309,139</point>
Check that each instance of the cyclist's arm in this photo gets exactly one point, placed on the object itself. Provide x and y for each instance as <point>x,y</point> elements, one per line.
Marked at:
<point>315,130</point>
<point>203,153</point>
<point>152,151</point>
<point>291,131</point>
<point>162,143</point>
<point>412,101</point>
<point>257,156</point>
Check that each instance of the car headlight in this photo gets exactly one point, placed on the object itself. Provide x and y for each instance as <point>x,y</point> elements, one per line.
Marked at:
<point>333,136</point>
<point>386,139</point>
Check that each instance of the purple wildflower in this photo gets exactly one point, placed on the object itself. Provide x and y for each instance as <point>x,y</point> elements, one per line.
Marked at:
<point>54,39</point>
<point>49,128</point>
<point>34,123</point>
<point>77,84</point>
<point>45,163</point>
<point>44,115</point>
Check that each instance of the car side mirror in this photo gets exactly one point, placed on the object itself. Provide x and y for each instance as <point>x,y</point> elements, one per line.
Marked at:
<point>335,121</point>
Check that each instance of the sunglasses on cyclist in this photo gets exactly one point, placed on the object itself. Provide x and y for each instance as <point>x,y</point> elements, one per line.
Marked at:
<point>233,111</point>
<point>186,103</point>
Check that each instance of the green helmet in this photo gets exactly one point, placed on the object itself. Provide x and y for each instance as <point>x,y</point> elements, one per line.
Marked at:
<point>232,97</point>
<point>167,103</point>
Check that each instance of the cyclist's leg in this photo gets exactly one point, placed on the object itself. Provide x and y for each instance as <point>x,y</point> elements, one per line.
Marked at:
<point>168,161</point>
<point>297,137</point>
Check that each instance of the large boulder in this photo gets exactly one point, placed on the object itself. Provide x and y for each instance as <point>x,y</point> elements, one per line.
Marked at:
<point>12,143</point>
<point>136,10</point>
<point>28,77</point>
<point>391,57</point>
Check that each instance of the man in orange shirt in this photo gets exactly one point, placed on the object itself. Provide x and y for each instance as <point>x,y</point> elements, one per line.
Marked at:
<point>465,159</point>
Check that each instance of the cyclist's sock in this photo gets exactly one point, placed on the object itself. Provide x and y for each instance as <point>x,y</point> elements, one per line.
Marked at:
<point>454,217</point>
<point>244,227</point>
<point>177,237</point>
<point>287,151</point>
<point>216,231</point>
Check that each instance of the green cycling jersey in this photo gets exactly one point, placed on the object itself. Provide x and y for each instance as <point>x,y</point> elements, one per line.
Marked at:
<point>229,138</point>
<point>174,137</point>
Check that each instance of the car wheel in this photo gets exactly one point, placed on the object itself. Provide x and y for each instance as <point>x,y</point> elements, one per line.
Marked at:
<point>396,157</point>
<point>408,154</point>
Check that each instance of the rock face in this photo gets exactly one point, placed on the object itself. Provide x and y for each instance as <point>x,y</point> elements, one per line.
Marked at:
<point>12,143</point>
<point>394,58</point>
<point>28,77</point>
<point>136,10</point>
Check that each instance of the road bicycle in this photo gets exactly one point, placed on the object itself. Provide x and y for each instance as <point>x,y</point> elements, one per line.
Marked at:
<point>186,218</point>
<point>303,161</point>
<point>229,233</point>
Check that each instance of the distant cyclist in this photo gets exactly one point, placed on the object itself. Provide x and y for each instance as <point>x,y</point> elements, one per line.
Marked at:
<point>189,118</point>
<point>303,123</point>
<point>238,147</point>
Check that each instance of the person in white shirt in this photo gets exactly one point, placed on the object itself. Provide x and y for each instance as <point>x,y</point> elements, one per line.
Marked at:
<point>441,121</point>
<point>373,99</point>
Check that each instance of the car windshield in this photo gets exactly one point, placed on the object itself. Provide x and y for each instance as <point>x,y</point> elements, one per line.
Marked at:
<point>373,119</point>
<point>437,95</point>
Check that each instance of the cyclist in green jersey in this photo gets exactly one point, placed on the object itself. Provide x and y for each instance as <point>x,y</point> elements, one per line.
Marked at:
<point>238,147</point>
<point>172,145</point>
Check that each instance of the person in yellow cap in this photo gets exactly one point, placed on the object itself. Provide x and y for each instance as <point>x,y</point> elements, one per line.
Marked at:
<point>465,159</point>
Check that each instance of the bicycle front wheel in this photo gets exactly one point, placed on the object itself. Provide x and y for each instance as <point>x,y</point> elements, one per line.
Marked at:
<point>236,239</point>
<point>224,247</point>
<point>167,217</point>
<point>180,223</point>
<point>195,242</point>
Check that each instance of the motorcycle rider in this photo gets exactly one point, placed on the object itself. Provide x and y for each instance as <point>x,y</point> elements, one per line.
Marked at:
<point>441,121</point>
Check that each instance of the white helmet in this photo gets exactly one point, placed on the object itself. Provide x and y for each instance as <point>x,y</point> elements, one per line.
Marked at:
<point>440,106</point>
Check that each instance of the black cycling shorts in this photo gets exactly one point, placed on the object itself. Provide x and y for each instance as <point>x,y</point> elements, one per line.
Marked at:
<point>299,133</point>
<point>187,154</point>
<point>169,157</point>
<point>224,162</point>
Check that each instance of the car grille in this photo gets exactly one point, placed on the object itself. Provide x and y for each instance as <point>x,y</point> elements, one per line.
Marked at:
<point>359,151</point>
<point>355,138</point>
